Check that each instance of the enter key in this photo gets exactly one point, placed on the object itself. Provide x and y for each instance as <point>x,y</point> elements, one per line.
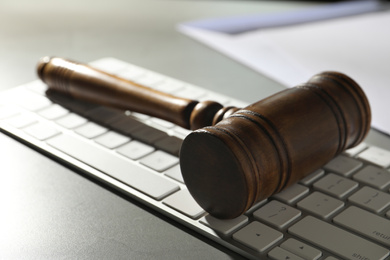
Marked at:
<point>365,223</point>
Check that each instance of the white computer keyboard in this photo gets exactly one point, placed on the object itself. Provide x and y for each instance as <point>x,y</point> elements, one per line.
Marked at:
<point>341,211</point>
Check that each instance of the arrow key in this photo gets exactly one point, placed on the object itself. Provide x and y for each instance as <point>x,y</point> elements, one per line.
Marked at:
<point>301,249</point>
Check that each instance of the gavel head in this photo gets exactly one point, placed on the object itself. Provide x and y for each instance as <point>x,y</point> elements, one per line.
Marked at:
<point>271,144</point>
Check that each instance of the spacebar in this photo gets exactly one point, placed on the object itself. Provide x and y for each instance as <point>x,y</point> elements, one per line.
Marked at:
<point>336,240</point>
<point>114,165</point>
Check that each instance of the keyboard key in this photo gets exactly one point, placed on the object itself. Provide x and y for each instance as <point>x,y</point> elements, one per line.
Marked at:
<point>162,123</point>
<point>33,102</point>
<point>309,179</point>
<point>126,125</point>
<point>277,214</point>
<point>175,173</point>
<point>74,105</point>
<point>182,132</point>
<point>257,236</point>
<point>190,92</point>
<point>130,72</point>
<point>8,111</point>
<point>91,130</point>
<point>336,240</point>
<point>301,249</point>
<point>170,144</point>
<point>71,121</point>
<point>148,79</point>
<point>135,150</point>
<point>115,166</point>
<point>371,199</point>
<point>148,134</point>
<point>53,112</point>
<point>343,165</point>
<point>112,139</point>
<point>320,204</point>
<point>160,161</point>
<point>352,152</point>
<point>37,86</point>
<point>377,177</point>
<point>374,227</point>
<point>279,253</point>
<point>292,193</point>
<point>41,131</point>
<point>224,226</point>
<point>375,155</point>
<point>110,65</point>
<point>170,86</point>
<point>21,120</point>
<point>183,202</point>
<point>105,115</point>
<point>336,185</point>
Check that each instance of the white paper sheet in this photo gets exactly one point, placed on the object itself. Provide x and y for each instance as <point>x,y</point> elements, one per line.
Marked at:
<point>357,46</point>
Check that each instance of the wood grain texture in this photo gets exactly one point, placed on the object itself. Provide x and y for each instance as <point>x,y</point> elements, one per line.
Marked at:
<point>237,156</point>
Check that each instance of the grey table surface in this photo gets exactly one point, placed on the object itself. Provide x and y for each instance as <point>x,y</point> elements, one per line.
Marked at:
<point>51,212</point>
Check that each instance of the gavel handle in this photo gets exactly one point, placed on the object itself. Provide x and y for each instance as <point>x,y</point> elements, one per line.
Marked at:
<point>89,84</point>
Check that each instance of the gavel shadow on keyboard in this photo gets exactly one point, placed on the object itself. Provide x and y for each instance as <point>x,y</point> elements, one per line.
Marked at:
<point>236,157</point>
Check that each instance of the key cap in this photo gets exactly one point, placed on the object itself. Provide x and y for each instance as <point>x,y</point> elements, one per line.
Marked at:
<point>336,240</point>
<point>149,79</point>
<point>148,134</point>
<point>71,121</point>
<point>41,131</point>
<point>130,72</point>
<point>74,105</point>
<point>371,199</point>
<point>277,214</point>
<point>115,166</point>
<point>170,86</point>
<point>162,123</point>
<point>21,120</point>
<point>8,111</point>
<point>175,173</point>
<point>301,249</point>
<point>91,130</point>
<point>110,65</point>
<point>343,165</point>
<point>37,86</point>
<point>112,139</point>
<point>53,112</point>
<point>374,227</point>
<point>135,150</point>
<point>183,202</point>
<point>33,102</point>
<point>279,253</point>
<point>352,152</point>
<point>320,204</point>
<point>105,115</point>
<point>126,125</point>
<point>377,156</point>
<point>377,177</point>
<point>292,193</point>
<point>257,236</point>
<point>160,161</point>
<point>170,144</point>
<point>309,179</point>
<point>336,185</point>
<point>224,226</point>
<point>190,92</point>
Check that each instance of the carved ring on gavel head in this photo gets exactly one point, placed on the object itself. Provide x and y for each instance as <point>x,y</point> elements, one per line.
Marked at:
<point>237,157</point>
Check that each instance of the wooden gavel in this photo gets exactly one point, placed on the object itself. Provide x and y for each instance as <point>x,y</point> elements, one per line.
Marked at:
<point>237,157</point>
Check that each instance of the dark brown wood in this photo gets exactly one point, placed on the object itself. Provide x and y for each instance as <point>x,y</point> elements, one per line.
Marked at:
<point>238,156</point>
